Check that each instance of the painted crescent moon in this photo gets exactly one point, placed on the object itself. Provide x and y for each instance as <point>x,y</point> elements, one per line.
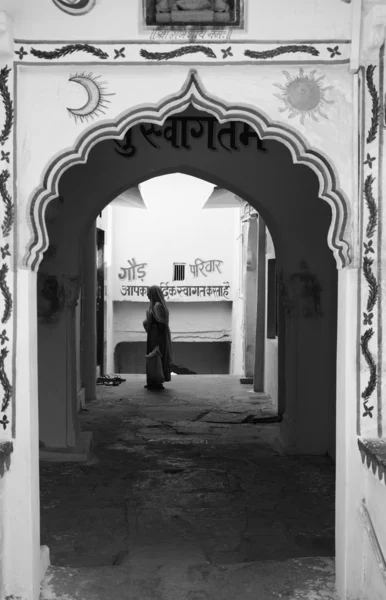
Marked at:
<point>75,7</point>
<point>93,100</point>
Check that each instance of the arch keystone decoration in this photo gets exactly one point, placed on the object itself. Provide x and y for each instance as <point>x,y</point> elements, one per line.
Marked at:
<point>191,94</point>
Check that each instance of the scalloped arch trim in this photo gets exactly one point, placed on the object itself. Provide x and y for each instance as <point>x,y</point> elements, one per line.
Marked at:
<point>80,7</point>
<point>192,93</point>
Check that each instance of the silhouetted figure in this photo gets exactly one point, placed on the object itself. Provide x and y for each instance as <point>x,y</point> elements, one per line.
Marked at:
<point>156,325</point>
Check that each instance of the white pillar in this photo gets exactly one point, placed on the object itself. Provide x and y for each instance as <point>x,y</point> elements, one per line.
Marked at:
<point>258,384</point>
<point>349,476</point>
<point>237,363</point>
<point>58,405</point>
<point>89,341</point>
<point>250,307</point>
<point>109,358</point>
<point>21,558</point>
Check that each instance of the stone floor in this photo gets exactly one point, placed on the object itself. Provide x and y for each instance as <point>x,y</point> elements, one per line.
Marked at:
<point>187,497</point>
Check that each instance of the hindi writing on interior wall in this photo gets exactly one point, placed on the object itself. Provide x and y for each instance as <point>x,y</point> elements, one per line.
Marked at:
<point>134,271</point>
<point>189,34</point>
<point>205,266</point>
<point>188,291</point>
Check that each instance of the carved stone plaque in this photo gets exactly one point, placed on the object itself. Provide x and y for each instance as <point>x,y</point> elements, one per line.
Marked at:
<point>200,13</point>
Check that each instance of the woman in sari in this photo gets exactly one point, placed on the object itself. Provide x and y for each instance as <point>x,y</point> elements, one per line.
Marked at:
<point>156,325</point>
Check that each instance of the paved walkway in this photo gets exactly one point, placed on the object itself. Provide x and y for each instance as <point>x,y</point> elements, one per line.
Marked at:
<point>187,497</point>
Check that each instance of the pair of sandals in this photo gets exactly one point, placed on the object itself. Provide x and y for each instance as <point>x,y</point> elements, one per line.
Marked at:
<point>154,387</point>
<point>113,380</point>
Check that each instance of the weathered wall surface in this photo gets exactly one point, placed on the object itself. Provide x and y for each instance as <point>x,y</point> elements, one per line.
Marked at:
<point>188,321</point>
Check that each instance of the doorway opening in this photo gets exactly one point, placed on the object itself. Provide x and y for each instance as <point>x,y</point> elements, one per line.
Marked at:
<point>298,221</point>
<point>305,272</point>
<point>173,239</point>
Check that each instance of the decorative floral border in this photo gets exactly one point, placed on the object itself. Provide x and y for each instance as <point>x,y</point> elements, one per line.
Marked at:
<point>373,452</point>
<point>217,46</point>
<point>369,249</point>
<point>69,49</point>
<point>7,223</point>
<point>290,49</point>
<point>6,293</point>
<point>375,108</point>
<point>183,51</point>
<point>9,213</point>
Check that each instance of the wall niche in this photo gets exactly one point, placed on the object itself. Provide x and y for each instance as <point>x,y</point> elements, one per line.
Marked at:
<point>195,13</point>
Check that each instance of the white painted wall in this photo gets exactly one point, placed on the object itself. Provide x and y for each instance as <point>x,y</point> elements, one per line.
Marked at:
<point>250,294</point>
<point>271,370</point>
<point>104,221</point>
<point>122,20</point>
<point>375,496</point>
<point>189,322</point>
<point>2,546</point>
<point>109,315</point>
<point>173,229</point>
<point>20,556</point>
<point>49,92</point>
<point>238,317</point>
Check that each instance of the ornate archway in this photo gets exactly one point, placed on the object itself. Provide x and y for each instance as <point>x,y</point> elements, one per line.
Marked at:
<point>193,94</point>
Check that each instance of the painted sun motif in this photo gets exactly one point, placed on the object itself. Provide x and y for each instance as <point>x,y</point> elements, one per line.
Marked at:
<point>303,95</point>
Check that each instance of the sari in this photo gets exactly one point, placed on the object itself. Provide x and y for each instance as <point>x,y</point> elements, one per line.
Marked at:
<point>156,325</point>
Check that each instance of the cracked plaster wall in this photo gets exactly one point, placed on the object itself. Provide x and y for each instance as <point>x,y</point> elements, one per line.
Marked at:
<point>188,321</point>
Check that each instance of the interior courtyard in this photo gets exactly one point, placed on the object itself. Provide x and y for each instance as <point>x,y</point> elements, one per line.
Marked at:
<point>186,494</point>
